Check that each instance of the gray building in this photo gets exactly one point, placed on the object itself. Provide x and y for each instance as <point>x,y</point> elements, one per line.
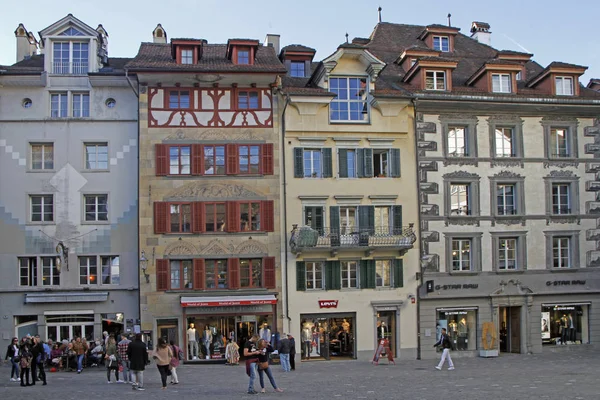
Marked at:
<point>68,187</point>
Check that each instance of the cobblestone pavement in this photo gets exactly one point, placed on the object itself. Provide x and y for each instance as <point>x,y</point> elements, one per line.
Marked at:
<point>566,375</point>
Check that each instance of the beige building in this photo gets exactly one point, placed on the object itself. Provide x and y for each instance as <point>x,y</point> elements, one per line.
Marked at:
<point>350,198</point>
<point>209,191</point>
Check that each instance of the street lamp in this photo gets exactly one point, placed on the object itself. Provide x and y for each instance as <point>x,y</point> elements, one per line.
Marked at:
<point>144,266</point>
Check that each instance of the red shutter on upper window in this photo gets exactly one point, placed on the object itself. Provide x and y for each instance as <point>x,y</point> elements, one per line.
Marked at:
<point>267,159</point>
<point>233,166</point>
<point>197,159</point>
<point>199,273</point>
<point>233,270</point>
<point>161,217</point>
<point>197,217</point>
<point>267,216</point>
<point>269,270</point>
<point>233,216</point>
<point>162,159</point>
<point>162,274</point>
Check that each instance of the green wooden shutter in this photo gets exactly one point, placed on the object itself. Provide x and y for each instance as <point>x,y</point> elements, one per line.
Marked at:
<point>300,275</point>
<point>334,226</point>
<point>318,222</point>
<point>333,275</point>
<point>298,162</point>
<point>327,162</point>
<point>397,211</point>
<point>343,163</point>
<point>364,278</point>
<point>366,223</point>
<point>360,163</point>
<point>368,162</point>
<point>399,273</point>
<point>395,163</point>
<point>371,274</point>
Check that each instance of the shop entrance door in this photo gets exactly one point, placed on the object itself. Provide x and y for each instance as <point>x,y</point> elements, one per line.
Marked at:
<point>510,329</point>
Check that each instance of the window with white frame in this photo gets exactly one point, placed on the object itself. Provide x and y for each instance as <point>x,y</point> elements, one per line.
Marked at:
<point>501,83</point>
<point>349,274</point>
<point>350,103</point>
<point>28,271</point>
<point>507,253</point>
<point>383,220</point>
<point>505,142</point>
<point>88,270</point>
<point>59,105</point>
<point>519,76</point>
<point>50,272</point>
<point>42,208</point>
<point>314,275</point>
<point>96,207</point>
<point>96,156</point>
<point>312,163</point>
<point>42,156</point>
<point>348,220</point>
<point>110,270</point>
<point>70,58</point>
<point>561,198</point>
<point>187,56</point>
<point>383,273</point>
<point>81,105</point>
<point>460,199</point>
<point>506,198</point>
<point>559,142</point>
<point>180,160</point>
<point>381,163</point>
<point>561,252</point>
<point>457,142</point>
<point>441,43</point>
<point>461,254</point>
<point>564,85</point>
<point>435,80</point>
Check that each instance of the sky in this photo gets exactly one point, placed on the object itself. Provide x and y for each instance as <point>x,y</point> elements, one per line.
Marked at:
<point>556,31</point>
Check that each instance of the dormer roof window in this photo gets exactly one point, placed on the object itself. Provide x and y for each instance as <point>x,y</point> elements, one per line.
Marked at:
<point>563,85</point>
<point>297,59</point>
<point>441,43</point>
<point>187,51</point>
<point>496,76</point>
<point>439,37</point>
<point>564,79</point>
<point>432,73</point>
<point>501,83</point>
<point>71,32</point>
<point>242,51</point>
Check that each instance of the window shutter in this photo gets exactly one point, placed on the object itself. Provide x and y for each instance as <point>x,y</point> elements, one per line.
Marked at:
<point>397,211</point>
<point>269,266</point>
<point>197,217</point>
<point>395,165</point>
<point>318,222</point>
<point>233,269</point>
<point>371,272</point>
<point>363,274</point>
<point>343,163</point>
<point>162,159</point>
<point>232,159</point>
<point>399,273</point>
<point>161,217</point>
<point>233,216</point>
<point>360,163</point>
<point>199,273</point>
<point>334,276</point>
<point>162,274</point>
<point>334,225</point>
<point>327,162</point>
<point>267,159</point>
<point>366,223</point>
<point>267,215</point>
<point>298,162</point>
<point>300,275</point>
<point>368,162</point>
<point>197,159</point>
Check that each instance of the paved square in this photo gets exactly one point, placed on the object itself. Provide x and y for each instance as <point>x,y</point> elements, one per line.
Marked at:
<point>571,374</point>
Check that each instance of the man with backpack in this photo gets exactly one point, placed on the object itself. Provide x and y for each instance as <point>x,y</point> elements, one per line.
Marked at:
<point>177,356</point>
<point>446,344</point>
<point>39,357</point>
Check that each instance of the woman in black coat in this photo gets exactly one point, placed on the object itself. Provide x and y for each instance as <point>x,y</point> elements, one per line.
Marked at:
<point>12,352</point>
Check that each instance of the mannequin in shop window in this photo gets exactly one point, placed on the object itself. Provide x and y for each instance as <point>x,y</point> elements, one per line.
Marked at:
<point>265,333</point>
<point>306,340</point>
<point>207,338</point>
<point>346,325</point>
<point>564,323</point>
<point>382,330</point>
<point>192,337</point>
<point>571,329</point>
<point>463,332</point>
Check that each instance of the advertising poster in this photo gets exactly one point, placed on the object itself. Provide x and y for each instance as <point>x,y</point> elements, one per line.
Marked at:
<point>545,325</point>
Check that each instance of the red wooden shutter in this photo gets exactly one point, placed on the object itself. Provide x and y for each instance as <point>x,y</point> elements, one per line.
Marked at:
<point>161,217</point>
<point>269,270</point>
<point>267,159</point>
<point>267,215</point>
<point>162,274</point>
<point>233,216</point>
<point>233,270</point>
<point>197,159</point>
<point>233,166</point>
<point>162,159</point>
<point>199,273</point>
<point>197,217</point>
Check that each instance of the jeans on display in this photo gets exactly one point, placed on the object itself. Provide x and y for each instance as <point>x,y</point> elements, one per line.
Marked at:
<point>269,375</point>
<point>139,378</point>
<point>15,368</point>
<point>193,349</point>
<point>252,377</point>
<point>285,362</point>
<point>126,371</point>
<point>163,370</point>
<point>207,347</point>
<point>79,362</point>
<point>306,348</point>
<point>446,354</point>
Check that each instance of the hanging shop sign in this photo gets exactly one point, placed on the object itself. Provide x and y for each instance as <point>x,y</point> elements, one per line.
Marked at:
<point>328,303</point>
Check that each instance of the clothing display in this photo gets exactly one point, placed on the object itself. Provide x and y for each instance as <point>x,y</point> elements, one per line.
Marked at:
<point>265,333</point>
<point>207,339</point>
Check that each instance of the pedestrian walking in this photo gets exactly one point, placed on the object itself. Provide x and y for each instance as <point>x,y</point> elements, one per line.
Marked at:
<point>174,362</point>
<point>38,358</point>
<point>12,355</point>
<point>232,353</point>
<point>25,361</point>
<point>446,345</point>
<point>138,359</point>
<point>284,350</point>
<point>251,352</point>
<point>292,352</point>
<point>265,349</point>
<point>123,358</point>
<point>80,349</point>
<point>112,363</point>
<point>162,356</point>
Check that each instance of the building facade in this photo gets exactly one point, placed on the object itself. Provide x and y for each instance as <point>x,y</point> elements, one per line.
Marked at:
<point>350,208</point>
<point>68,198</point>
<point>209,191</point>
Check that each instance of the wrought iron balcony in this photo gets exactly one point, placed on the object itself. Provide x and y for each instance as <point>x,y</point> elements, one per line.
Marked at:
<point>70,68</point>
<point>305,238</point>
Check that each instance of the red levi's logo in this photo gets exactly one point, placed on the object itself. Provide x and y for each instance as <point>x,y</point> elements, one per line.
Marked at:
<point>328,303</point>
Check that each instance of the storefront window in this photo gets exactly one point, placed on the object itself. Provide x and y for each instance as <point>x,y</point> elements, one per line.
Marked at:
<point>565,324</point>
<point>386,322</point>
<point>326,337</point>
<point>461,325</point>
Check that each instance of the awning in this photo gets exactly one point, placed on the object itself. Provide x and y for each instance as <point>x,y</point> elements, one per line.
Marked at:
<point>68,297</point>
<point>228,301</point>
<point>457,309</point>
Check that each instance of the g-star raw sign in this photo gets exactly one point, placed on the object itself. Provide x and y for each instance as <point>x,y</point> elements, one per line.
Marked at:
<point>328,303</point>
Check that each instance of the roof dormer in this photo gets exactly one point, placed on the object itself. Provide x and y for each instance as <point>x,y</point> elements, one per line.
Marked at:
<point>187,51</point>
<point>242,51</point>
<point>409,57</point>
<point>439,37</point>
<point>558,79</point>
<point>159,35</point>
<point>496,76</point>
<point>297,59</point>
<point>432,73</point>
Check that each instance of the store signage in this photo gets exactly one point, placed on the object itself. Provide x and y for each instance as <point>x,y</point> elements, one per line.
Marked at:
<point>231,310</point>
<point>565,283</point>
<point>455,313</point>
<point>457,286</point>
<point>328,303</point>
<point>227,303</point>
<point>564,308</point>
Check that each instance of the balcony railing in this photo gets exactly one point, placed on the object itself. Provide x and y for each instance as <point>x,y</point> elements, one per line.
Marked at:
<point>352,237</point>
<point>70,68</point>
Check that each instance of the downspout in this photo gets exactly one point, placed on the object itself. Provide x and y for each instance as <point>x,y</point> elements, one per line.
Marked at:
<point>420,280</point>
<point>134,92</point>
<point>285,245</point>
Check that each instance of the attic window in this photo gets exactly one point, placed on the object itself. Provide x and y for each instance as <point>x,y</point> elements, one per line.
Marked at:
<point>297,69</point>
<point>71,32</point>
<point>501,83</point>
<point>441,43</point>
<point>435,80</point>
<point>243,56</point>
<point>187,56</point>
<point>564,85</point>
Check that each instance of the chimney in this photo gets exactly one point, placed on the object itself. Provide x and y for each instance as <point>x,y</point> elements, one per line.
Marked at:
<point>480,31</point>
<point>159,35</point>
<point>27,44</point>
<point>273,40</point>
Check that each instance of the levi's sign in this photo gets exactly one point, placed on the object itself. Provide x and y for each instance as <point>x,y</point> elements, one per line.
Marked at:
<point>328,303</point>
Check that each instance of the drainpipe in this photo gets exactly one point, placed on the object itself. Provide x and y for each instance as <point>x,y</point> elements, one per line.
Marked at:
<point>285,245</point>
<point>420,282</point>
<point>132,88</point>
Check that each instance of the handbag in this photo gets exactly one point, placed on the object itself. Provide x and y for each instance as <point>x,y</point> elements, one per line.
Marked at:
<point>263,365</point>
<point>249,363</point>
